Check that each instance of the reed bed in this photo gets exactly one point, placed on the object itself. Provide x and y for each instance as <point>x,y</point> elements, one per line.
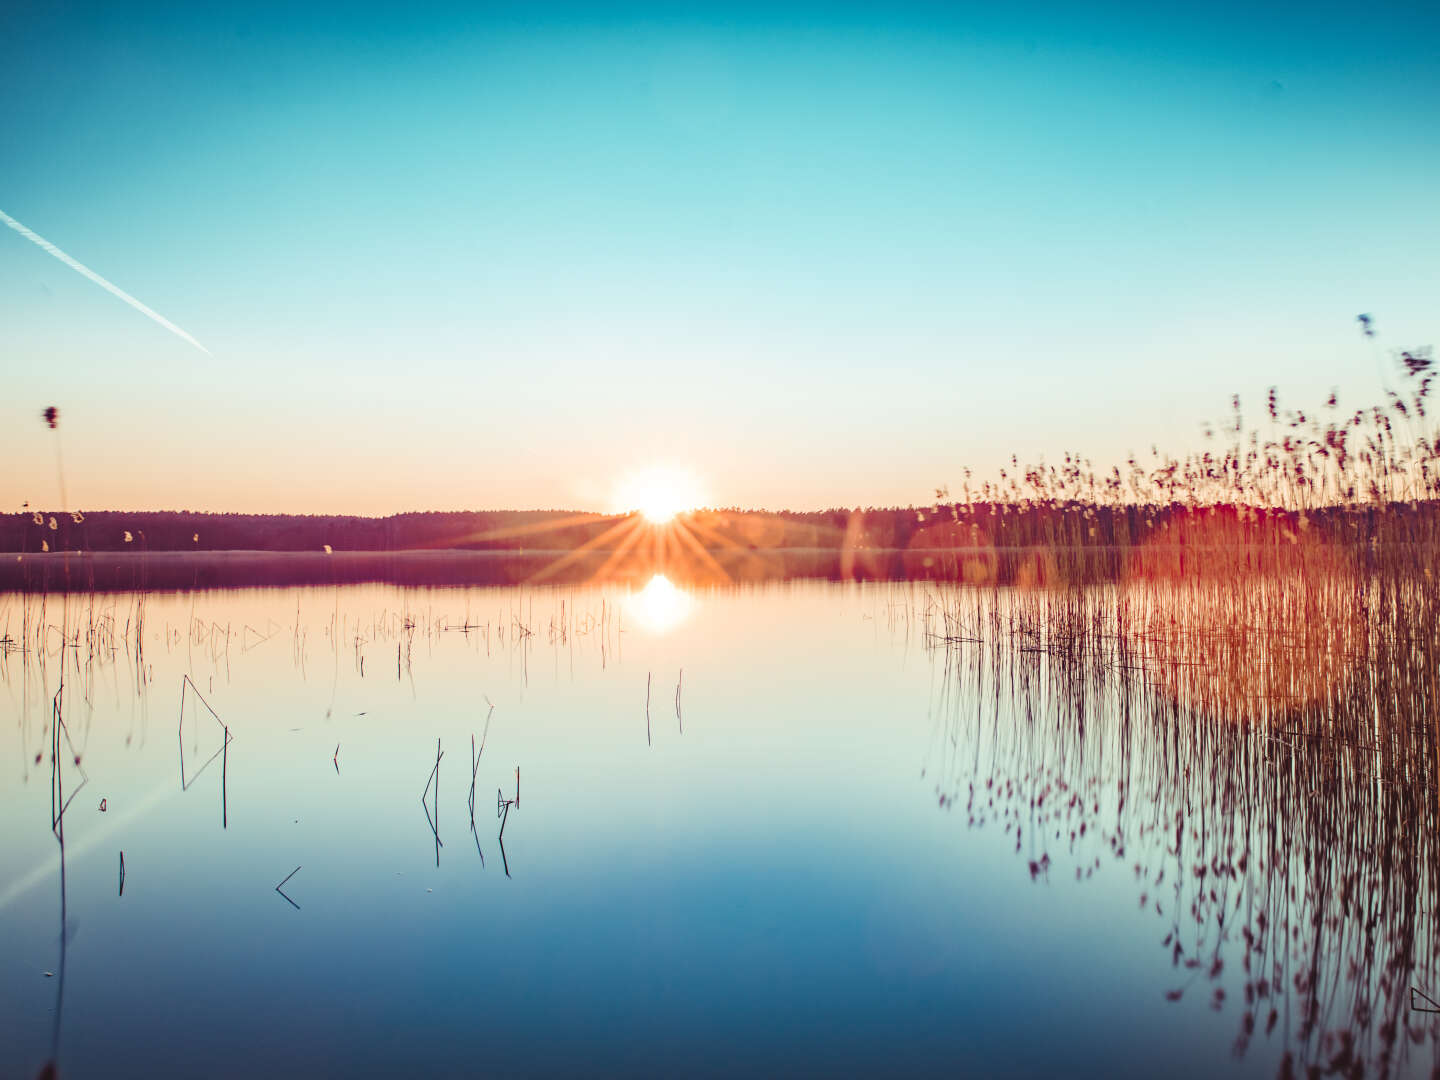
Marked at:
<point>1222,675</point>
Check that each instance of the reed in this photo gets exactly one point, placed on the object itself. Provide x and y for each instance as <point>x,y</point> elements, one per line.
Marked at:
<point>280,888</point>
<point>433,783</point>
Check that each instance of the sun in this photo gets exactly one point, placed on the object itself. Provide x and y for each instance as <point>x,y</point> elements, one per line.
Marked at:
<point>659,493</point>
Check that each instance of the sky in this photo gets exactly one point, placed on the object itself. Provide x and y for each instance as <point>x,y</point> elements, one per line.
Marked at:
<point>453,256</point>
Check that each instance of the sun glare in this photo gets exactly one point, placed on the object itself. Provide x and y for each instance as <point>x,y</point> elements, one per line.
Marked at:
<point>659,494</point>
<point>659,606</point>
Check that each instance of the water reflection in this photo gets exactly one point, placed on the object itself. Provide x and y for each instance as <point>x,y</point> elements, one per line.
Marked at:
<point>1248,876</point>
<point>660,606</point>
<point>1289,834</point>
<point>432,810</point>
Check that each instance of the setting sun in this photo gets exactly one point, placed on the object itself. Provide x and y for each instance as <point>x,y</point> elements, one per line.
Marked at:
<point>659,493</point>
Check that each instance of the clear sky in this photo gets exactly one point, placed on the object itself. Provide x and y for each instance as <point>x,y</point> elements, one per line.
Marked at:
<point>454,257</point>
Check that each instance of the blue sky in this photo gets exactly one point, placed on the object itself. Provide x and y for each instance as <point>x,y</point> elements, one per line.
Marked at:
<point>448,257</point>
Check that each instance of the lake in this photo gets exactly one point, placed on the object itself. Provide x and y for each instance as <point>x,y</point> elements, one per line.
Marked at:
<point>806,827</point>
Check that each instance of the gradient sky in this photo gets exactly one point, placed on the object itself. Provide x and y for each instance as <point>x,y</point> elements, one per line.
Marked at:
<point>458,258</point>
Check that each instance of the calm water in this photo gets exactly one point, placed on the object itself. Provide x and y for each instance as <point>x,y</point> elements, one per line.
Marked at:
<point>848,849</point>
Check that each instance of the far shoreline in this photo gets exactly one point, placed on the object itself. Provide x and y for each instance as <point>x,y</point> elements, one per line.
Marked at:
<point>960,563</point>
<point>168,571</point>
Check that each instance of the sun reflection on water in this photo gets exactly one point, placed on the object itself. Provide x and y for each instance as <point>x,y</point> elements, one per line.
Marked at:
<point>660,606</point>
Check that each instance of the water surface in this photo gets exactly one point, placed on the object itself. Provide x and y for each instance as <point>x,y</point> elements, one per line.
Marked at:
<point>831,842</point>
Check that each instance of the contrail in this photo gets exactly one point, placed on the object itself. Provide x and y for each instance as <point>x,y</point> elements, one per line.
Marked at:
<point>121,293</point>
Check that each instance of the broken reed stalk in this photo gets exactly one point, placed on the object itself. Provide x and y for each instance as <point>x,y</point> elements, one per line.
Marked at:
<point>647,709</point>
<point>281,888</point>
<point>59,803</point>
<point>474,772</point>
<point>187,686</point>
<point>678,717</point>
<point>434,820</point>
<point>505,805</point>
<point>475,754</point>
<point>502,811</point>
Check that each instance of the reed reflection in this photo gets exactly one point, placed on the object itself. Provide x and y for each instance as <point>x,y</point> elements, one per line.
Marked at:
<point>1275,807</point>
<point>61,748</point>
<point>1278,833</point>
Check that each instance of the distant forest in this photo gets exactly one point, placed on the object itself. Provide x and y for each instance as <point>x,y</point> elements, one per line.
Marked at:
<point>181,530</point>
<point>496,530</point>
<point>941,526</point>
<point>1032,544</point>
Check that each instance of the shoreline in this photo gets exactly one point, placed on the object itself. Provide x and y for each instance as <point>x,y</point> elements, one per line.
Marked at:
<point>1032,565</point>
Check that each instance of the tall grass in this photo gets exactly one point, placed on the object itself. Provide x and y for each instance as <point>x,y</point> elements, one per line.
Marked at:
<point>1223,675</point>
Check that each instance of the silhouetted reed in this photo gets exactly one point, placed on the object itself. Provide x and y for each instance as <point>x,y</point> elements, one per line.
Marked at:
<point>475,754</point>
<point>502,811</point>
<point>189,689</point>
<point>281,888</point>
<point>434,782</point>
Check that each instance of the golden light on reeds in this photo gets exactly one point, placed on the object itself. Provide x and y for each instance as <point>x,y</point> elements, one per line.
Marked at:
<point>1245,613</point>
<point>951,550</point>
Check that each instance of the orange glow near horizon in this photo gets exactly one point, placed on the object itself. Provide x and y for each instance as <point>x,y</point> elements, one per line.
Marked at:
<point>659,493</point>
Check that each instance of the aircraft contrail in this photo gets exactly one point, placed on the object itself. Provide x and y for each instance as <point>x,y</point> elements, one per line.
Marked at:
<point>40,241</point>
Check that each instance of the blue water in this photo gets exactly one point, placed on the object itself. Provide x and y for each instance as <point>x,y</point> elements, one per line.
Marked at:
<point>779,887</point>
